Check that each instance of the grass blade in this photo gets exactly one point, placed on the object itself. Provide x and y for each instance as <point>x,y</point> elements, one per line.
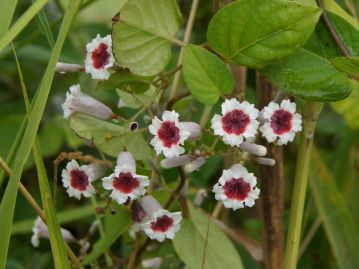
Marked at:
<point>7,205</point>
<point>21,23</point>
<point>338,222</point>
<point>6,14</point>
<point>45,27</point>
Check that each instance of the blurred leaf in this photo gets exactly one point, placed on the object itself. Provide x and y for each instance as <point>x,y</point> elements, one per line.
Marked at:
<point>338,222</point>
<point>8,201</point>
<point>267,31</point>
<point>133,100</point>
<point>206,76</point>
<point>190,242</point>
<point>349,107</point>
<point>116,225</point>
<point>6,13</point>
<point>125,80</point>
<point>45,27</point>
<point>348,65</point>
<point>108,137</point>
<point>333,7</point>
<point>21,23</point>
<point>142,33</point>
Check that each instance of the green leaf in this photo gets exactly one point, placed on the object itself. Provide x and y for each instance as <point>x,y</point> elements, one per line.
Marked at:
<point>190,242</point>
<point>125,80</point>
<point>349,107</point>
<point>116,225</point>
<point>333,7</point>
<point>338,223</point>
<point>6,13</point>
<point>142,34</point>
<point>109,137</point>
<point>45,27</point>
<point>21,23</point>
<point>349,65</point>
<point>206,76</point>
<point>8,201</point>
<point>256,33</point>
<point>133,100</point>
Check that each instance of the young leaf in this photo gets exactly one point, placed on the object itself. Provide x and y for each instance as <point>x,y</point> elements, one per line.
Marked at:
<point>338,223</point>
<point>190,243</point>
<point>349,65</point>
<point>206,76</point>
<point>142,33</point>
<point>256,33</point>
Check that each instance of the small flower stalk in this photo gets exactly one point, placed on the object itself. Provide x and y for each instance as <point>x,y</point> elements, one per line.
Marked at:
<point>99,57</point>
<point>280,122</point>
<point>77,179</point>
<point>236,188</point>
<point>170,134</point>
<point>162,224</point>
<point>237,122</point>
<point>77,101</point>
<point>124,182</point>
<point>39,230</point>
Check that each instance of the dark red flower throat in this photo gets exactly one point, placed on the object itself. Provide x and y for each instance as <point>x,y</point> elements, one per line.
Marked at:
<point>281,121</point>
<point>169,133</point>
<point>78,179</point>
<point>125,182</point>
<point>162,224</point>
<point>100,56</point>
<point>235,122</point>
<point>237,189</point>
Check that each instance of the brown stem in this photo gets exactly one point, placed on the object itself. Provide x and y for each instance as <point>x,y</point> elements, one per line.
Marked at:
<point>240,77</point>
<point>272,189</point>
<point>332,31</point>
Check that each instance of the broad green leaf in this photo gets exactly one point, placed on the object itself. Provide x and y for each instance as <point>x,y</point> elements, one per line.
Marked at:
<point>6,13</point>
<point>338,223</point>
<point>349,107</point>
<point>333,7</point>
<point>142,33</point>
<point>116,225</point>
<point>349,65</point>
<point>309,73</point>
<point>206,76</point>
<point>190,242</point>
<point>8,201</point>
<point>256,33</point>
<point>109,137</point>
<point>21,23</point>
<point>133,100</point>
<point>125,80</point>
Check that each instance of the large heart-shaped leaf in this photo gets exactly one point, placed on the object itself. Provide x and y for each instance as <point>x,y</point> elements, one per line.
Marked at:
<point>256,33</point>
<point>190,243</point>
<point>309,73</point>
<point>142,32</point>
<point>110,138</point>
<point>206,76</point>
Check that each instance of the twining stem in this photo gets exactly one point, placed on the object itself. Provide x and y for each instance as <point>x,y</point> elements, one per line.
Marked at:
<point>186,37</point>
<point>311,113</point>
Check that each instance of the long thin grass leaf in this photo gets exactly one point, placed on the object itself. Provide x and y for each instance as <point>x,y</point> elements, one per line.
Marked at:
<point>338,223</point>
<point>21,23</point>
<point>45,27</point>
<point>7,205</point>
<point>6,13</point>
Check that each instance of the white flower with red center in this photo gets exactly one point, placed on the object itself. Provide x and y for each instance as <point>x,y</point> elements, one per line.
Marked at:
<point>236,188</point>
<point>39,230</point>
<point>169,134</point>
<point>162,224</point>
<point>99,57</point>
<point>77,179</point>
<point>124,183</point>
<point>281,122</point>
<point>237,123</point>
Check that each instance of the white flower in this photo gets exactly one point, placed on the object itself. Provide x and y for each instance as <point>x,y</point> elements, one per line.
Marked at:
<point>77,179</point>
<point>236,188</point>
<point>99,57</point>
<point>280,122</point>
<point>168,135</point>
<point>163,224</point>
<point>39,230</point>
<point>77,101</point>
<point>124,183</point>
<point>238,122</point>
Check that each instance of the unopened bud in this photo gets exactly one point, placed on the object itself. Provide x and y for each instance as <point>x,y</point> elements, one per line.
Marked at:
<point>193,128</point>
<point>254,149</point>
<point>150,205</point>
<point>68,68</point>
<point>200,195</point>
<point>195,164</point>
<point>266,161</point>
<point>175,161</point>
<point>153,263</point>
<point>99,170</point>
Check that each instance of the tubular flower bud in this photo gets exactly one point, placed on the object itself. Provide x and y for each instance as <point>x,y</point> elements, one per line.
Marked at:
<point>162,224</point>
<point>68,68</point>
<point>99,57</point>
<point>77,101</point>
<point>254,149</point>
<point>153,263</point>
<point>280,122</point>
<point>193,128</point>
<point>175,161</point>
<point>236,188</point>
<point>237,122</point>
<point>200,195</point>
<point>195,164</point>
<point>266,161</point>
<point>124,182</point>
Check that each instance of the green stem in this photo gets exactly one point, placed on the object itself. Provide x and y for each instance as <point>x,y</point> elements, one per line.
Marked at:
<point>311,111</point>
<point>205,116</point>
